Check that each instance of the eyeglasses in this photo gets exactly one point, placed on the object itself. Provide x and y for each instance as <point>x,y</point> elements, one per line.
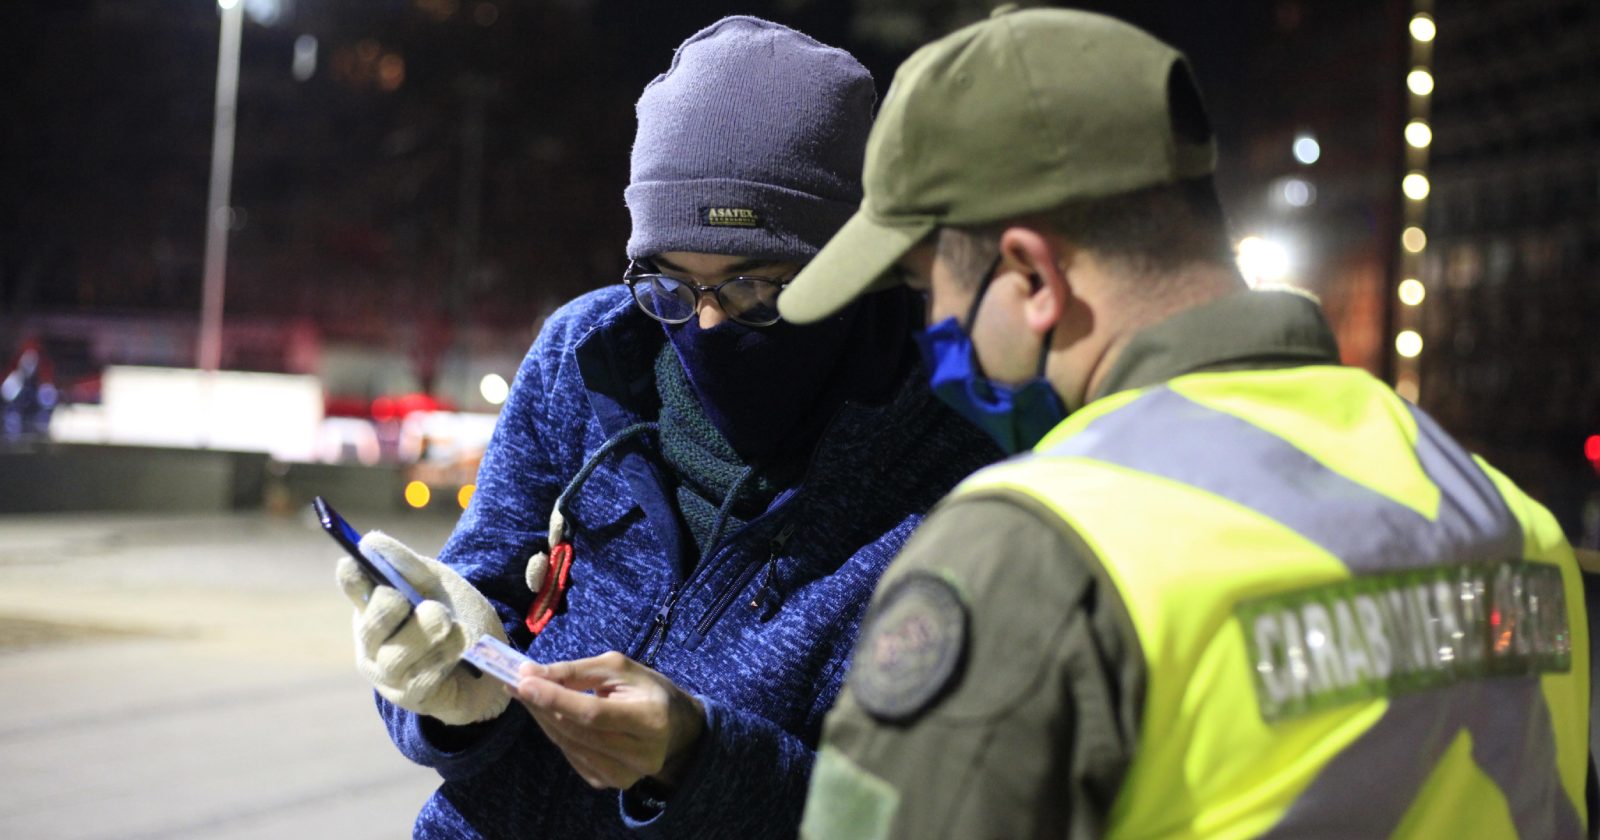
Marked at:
<point>752,301</point>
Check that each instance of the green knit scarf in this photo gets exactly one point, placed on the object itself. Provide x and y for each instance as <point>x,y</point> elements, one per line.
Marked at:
<point>717,491</point>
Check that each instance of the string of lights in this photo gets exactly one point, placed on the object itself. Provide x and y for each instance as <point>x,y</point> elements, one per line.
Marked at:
<point>1414,187</point>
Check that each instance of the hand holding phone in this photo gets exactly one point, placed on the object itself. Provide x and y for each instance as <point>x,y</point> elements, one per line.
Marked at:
<point>486,652</point>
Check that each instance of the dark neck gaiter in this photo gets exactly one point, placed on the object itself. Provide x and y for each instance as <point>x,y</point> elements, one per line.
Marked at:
<point>717,491</point>
<point>771,390</point>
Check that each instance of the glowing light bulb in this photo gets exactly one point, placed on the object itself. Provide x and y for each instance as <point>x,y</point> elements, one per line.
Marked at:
<point>1307,150</point>
<point>1414,240</point>
<point>1418,134</point>
<point>1420,82</point>
<point>1262,261</point>
<point>494,389</point>
<point>1415,186</point>
<point>1422,28</point>
<point>418,494</point>
<point>1298,193</point>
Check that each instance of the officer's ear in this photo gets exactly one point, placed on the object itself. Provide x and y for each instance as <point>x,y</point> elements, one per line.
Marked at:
<point>1041,259</point>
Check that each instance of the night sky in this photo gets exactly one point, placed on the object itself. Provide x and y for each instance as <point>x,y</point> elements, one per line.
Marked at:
<point>352,186</point>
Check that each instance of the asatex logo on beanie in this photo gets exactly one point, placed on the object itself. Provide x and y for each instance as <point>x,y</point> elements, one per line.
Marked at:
<point>750,144</point>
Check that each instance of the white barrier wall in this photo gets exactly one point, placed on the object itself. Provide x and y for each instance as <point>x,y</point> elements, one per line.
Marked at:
<point>275,413</point>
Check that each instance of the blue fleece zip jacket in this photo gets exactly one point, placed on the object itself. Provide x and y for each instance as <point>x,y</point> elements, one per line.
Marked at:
<point>760,631</point>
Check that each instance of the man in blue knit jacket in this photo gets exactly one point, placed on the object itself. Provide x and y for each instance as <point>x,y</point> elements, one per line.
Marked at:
<point>687,501</point>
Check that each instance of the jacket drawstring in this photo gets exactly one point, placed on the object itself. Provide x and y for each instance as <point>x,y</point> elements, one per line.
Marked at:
<point>726,508</point>
<point>547,571</point>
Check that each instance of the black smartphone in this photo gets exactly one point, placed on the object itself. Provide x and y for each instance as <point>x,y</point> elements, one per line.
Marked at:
<point>378,571</point>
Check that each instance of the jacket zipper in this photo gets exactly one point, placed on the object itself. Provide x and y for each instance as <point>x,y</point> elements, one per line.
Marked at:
<point>658,628</point>
<point>662,623</point>
<point>720,605</point>
<point>663,617</point>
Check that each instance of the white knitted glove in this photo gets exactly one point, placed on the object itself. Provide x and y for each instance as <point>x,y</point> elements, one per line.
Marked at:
<point>411,656</point>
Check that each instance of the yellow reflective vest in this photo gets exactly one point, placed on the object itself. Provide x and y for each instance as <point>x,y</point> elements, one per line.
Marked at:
<point>1351,627</point>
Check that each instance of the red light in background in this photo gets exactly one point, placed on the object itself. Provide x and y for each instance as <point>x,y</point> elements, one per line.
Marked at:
<point>408,404</point>
<point>400,406</point>
<point>383,408</point>
<point>1591,448</point>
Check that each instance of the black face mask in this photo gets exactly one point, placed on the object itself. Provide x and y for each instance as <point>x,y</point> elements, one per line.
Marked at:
<point>764,387</point>
<point>773,389</point>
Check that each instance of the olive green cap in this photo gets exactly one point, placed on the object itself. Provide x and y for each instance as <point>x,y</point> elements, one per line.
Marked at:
<point>1017,114</point>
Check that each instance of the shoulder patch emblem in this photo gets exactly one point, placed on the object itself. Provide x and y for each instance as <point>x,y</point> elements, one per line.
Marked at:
<point>911,647</point>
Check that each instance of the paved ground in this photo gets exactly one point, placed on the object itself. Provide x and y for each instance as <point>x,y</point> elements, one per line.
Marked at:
<point>189,677</point>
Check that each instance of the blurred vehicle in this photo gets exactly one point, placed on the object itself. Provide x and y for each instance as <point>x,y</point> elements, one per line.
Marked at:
<point>442,450</point>
<point>437,447</point>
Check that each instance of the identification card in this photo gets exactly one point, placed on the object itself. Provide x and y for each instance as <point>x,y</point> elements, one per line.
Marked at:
<point>496,658</point>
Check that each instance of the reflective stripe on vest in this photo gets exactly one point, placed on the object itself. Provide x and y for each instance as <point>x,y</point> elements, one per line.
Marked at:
<point>1166,434</point>
<point>1212,506</point>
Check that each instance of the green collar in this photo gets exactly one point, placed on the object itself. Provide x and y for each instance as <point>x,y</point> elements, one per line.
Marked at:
<point>1253,329</point>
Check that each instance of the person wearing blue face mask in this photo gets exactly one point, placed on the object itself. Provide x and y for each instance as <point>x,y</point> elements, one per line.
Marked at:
<point>1225,587</point>
<point>1016,416</point>
<point>687,498</point>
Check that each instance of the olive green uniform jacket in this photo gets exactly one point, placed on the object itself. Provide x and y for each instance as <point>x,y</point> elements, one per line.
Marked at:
<point>1034,727</point>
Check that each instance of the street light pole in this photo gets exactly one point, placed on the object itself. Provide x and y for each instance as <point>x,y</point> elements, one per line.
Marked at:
<point>218,212</point>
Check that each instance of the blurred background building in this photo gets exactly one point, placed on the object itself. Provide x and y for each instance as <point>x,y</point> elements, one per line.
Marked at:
<point>417,184</point>
<point>1510,360</point>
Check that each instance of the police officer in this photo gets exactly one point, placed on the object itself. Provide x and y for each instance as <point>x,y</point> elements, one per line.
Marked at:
<point>1229,588</point>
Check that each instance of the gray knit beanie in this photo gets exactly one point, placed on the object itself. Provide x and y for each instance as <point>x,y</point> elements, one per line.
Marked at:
<point>750,144</point>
